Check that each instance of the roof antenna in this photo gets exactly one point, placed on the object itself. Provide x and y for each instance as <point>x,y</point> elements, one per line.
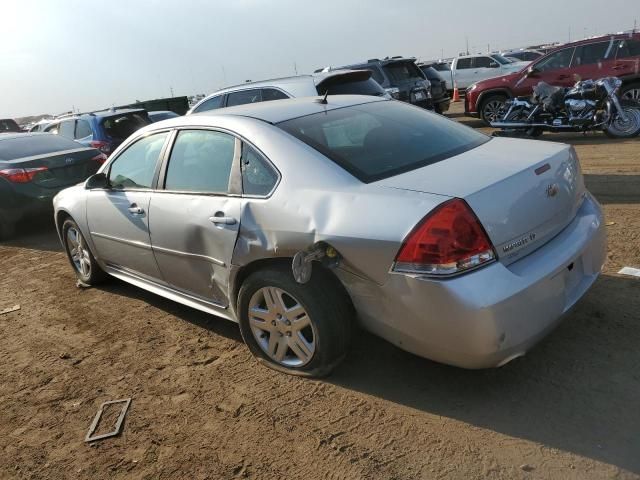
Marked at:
<point>324,99</point>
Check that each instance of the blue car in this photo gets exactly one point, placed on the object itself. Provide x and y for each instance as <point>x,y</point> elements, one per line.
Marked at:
<point>102,130</point>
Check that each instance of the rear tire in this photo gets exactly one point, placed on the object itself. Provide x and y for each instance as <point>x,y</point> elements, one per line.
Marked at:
<point>82,260</point>
<point>492,108</point>
<point>299,329</point>
<point>629,129</point>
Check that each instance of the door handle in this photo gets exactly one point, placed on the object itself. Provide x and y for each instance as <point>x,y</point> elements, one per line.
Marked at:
<point>223,220</point>
<point>621,67</point>
<point>562,77</point>
<point>135,209</point>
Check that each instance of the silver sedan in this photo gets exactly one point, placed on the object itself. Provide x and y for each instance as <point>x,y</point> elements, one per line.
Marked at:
<point>300,218</point>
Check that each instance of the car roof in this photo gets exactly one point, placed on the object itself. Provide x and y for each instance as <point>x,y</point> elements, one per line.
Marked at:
<point>602,38</point>
<point>282,110</point>
<point>315,78</point>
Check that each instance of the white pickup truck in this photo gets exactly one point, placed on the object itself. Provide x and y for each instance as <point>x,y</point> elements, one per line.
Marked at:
<point>469,69</point>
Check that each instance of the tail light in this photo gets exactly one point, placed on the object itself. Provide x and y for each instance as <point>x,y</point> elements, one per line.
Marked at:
<point>104,147</point>
<point>394,92</point>
<point>449,240</point>
<point>100,158</point>
<point>21,175</point>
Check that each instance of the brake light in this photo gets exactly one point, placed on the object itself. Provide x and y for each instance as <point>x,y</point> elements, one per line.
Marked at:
<point>449,240</point>
<point>21,175</point>
<point>104,147</point>
<point>100,158</point>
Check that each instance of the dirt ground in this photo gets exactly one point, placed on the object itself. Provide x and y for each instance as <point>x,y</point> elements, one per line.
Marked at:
<point>202,408</point>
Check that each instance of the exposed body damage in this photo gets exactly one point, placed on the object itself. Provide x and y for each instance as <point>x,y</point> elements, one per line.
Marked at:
<point>205,246</point>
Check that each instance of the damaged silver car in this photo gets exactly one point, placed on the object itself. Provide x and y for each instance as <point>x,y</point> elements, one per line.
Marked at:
<point>300,218</point>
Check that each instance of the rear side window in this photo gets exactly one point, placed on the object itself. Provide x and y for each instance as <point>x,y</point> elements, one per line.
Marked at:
<point>121,126</point>
<point>30,145</point>
<point>201,161</point>
<point>272,94</point>
<point>381,139</point>
<point>463,64</point>
<point>243,97</point>
<point>83,129</point>
<point>211,104</point>
<point>136,166</point>
<point>403,71</point>
<point>556,61</point>
<point>594,53</point>
<point>67,128</point>
<point>258,177</point>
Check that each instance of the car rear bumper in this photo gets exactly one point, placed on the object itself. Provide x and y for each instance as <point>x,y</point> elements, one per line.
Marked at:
<point>486,318</point>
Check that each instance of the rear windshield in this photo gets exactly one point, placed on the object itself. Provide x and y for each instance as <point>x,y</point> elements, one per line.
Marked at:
<point>30,145</point>
<point>122,126</point>
<point>378,140</point>
<point>362,87</point>
<point>403,71</point>
<point>9,126</point>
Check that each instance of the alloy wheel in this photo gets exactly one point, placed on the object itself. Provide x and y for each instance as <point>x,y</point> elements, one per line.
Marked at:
<point>632,94</point>
<point>493,110</point>
<point>282,327</point>
<point>78,252</point>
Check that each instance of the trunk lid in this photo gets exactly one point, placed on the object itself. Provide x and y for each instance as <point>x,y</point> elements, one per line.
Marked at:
<point>523,191</point>
<point>63,169</point>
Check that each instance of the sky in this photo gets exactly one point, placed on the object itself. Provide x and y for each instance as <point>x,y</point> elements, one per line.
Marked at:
<point>63,54</point>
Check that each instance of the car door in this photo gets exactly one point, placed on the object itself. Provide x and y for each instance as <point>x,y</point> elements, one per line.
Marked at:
<point>118,216</point>
<point>554,69</point>
<point>195,216</point>
<point>485,67</point>
<point>462,73</point>
<point>627,58</point>
<point>594,60</point>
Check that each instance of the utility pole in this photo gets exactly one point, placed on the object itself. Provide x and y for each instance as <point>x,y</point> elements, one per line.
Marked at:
<point>467,40</point>
<point>171,90</point>
<point>488,48</point>
<point>569,34</point>
<point>295,67</point>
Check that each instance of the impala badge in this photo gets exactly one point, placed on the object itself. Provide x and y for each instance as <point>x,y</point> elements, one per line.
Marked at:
<point>552,190</point>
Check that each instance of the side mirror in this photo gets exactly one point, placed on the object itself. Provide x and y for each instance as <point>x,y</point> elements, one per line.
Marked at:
<point>532,72</point>
<point>99,180</point>
<point>493,65</point>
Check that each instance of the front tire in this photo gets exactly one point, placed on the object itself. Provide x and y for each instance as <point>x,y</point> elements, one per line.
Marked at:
<point>300,329</point>
<point>631,92</point>
<point>82,260</point>
<point>492,108</point>
<point>618,128</point>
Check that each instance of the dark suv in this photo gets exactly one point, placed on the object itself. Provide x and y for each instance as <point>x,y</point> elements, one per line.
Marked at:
<point>401,78</point>
<point>102,130</point>
<point>439,93</point>
<point>608,56</point>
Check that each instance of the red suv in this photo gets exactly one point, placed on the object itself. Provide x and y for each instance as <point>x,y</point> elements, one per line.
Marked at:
<point>610,56</point>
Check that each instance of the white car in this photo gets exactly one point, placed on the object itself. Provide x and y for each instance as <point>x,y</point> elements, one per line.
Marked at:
<point>469,69</point>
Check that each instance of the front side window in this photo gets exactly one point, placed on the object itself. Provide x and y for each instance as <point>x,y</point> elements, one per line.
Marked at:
<point>499,59</point>
<point>211,104</point>
<point>258,177</point>
<point>136,166</point>
<point>377,140</point>
<point>53,128</point>
<point>594,53</point>
<point>628,48</point>
<point>485,62</point>
<point>83,129</point>
<point>243,97</point>
<point>556,61</point>
<point>201,161</point>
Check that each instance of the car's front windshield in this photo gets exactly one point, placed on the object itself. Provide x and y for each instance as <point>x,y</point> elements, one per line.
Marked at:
<point>381,139</point>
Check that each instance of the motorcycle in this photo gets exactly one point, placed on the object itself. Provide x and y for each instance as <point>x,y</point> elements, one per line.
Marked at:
<point>589,105</point>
